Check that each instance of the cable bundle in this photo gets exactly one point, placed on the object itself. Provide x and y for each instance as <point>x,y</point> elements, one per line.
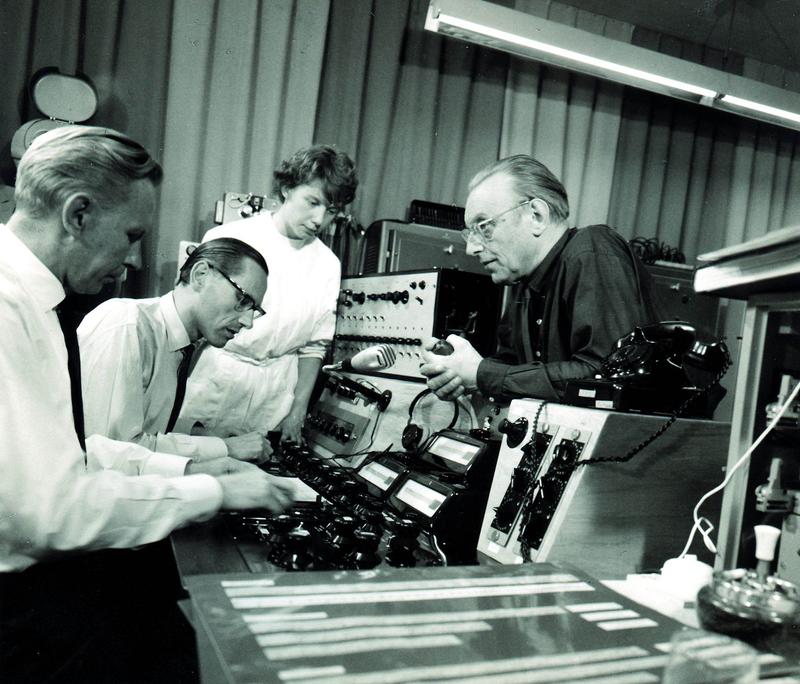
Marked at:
<point>650,250</point>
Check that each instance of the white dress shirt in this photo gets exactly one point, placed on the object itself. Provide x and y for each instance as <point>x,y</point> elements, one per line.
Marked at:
<point>249,385</point>
<point>130,353</point>
<point>48,500</point>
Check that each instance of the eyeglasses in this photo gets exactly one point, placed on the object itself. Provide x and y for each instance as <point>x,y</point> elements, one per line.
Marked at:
<point>246,301</point>
<point>482,231</point>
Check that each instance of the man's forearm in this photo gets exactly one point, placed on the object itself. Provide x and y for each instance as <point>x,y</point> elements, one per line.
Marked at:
<point>534,380</point>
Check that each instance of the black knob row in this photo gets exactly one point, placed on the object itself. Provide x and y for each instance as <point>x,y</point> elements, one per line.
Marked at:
<point>341,433</point>
<point>396,297</point>
<point>378,339</point>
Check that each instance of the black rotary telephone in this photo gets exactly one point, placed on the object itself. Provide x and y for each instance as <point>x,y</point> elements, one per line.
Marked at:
<point>660,368</point>
<point>665,355</point>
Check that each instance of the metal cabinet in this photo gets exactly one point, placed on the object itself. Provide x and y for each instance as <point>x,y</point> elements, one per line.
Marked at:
<point>396,246</point>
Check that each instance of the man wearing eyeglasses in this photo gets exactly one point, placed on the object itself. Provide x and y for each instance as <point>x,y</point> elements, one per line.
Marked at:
<point>135,357</point>
<point>575,291</point>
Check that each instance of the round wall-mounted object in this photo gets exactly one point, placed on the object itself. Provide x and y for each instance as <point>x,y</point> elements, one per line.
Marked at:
<point>62,99</point>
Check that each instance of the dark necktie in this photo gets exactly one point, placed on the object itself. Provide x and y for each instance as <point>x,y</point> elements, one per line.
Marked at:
<point>180,389</point>
<point>69,319</point>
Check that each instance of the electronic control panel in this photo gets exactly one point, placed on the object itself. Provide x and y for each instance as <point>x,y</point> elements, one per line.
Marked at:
<point>394,508</point>
<point>338,424</point>
<point>334,428</point>
<point>404,309</point>
<point>614,517</point>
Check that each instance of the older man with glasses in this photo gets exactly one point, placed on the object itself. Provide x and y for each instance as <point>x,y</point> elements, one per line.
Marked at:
<point>575,291</point>
<point>136,355</point>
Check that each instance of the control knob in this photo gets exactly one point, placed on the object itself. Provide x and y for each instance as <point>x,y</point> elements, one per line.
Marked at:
<point>442,348</point>
<point>515,432</point>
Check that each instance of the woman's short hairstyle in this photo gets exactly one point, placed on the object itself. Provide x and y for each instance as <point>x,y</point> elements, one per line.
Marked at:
<point>319,162</point>
<point>531,179</point>
<point>72,159</point>
<point>226,254</point>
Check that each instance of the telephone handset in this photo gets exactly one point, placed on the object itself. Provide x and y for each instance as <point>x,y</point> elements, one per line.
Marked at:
<point>665,354</point>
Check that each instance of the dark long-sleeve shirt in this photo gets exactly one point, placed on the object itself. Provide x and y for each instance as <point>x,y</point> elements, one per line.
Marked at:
<point>563,320</point>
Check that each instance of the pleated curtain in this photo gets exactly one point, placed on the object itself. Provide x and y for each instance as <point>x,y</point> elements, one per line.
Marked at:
<point>697,178</point>
<point>221,90</point>
<point>419,113</point>
<point>569,122</point>
<point>242,95</point>
<point>423,113</point>
<point>218,90</point>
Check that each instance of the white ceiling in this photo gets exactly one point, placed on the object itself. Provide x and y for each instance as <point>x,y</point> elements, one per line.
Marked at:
<point>767,30</point>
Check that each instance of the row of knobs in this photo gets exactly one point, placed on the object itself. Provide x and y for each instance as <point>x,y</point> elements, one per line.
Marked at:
<point>379,339</point>
<point>321,539</point>
<point>343,534</point>
<point>341,433</point>
<point>396,297</point>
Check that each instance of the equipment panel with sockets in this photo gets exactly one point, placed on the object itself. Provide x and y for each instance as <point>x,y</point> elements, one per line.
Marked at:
<point>335,428</point>
<point>337,425</point>
<point>610,518</point>
<point>534,487</point>
<point>403,309</point>
<point>521,480</point>
<point>240,205</point>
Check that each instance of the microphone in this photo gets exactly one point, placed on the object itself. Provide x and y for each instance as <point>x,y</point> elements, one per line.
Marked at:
<point>373,358</point>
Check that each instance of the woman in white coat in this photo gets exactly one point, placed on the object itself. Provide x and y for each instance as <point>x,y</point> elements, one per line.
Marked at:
<point>263,378</point>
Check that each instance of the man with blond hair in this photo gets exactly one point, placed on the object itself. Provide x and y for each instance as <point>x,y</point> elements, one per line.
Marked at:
<point>75,603</point>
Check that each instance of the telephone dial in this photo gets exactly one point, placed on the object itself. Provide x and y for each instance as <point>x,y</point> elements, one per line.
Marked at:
<point>657,368</point>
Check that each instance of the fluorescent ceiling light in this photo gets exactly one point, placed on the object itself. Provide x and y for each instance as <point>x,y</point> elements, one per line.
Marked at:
<point>571,55</point>
<point>758,107</point>
<point>532,37</point>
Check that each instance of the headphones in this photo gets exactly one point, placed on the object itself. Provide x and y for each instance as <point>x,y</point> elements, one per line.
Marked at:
<point>412,433</point>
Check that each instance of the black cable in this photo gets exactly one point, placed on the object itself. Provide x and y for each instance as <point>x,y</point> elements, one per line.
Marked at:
<point>660,431</point>
<point>366,449</point>
<point>373,455</point>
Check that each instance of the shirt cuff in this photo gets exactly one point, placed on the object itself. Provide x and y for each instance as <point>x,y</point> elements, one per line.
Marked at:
<point>490,377</point>
<point>196,447</point>
<point>316,349</point>
<point>203,448</point>
<point>509,381</point>
<point>201,495</point>
<point>166,465</point>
